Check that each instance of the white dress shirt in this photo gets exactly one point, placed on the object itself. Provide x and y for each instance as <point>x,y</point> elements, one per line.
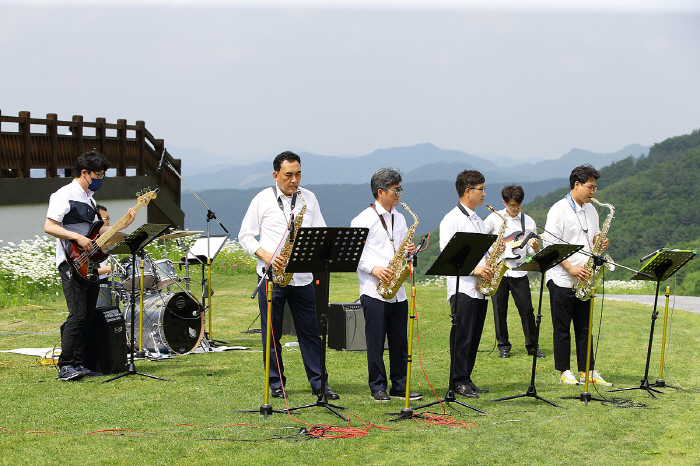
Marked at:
<point>513,224</point>
<point>455,221</point>
<point>265,225</point>
<point>379,249</point>
<point>566,223</point>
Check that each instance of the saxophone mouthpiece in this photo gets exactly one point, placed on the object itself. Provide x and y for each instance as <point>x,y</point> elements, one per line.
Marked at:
<point>490,208</point>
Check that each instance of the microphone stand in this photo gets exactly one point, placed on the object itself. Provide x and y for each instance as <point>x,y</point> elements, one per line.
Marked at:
<point>210,215</point>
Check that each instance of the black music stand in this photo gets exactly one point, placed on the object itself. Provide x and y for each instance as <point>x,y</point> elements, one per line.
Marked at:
<point>132,244</point>
<point>326,250</point>
<point>661,267</point>
<point>461,254</point>
<point>541,262</point>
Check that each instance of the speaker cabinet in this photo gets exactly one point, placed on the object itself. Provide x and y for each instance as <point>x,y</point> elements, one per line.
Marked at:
<point>346,327</point>
<point>105,350</point>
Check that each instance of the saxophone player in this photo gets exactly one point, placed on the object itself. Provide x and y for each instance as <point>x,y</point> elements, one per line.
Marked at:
<point>269,216</point>
<point>472,304</point>
<point>385,318</point>
<point>573,220</point>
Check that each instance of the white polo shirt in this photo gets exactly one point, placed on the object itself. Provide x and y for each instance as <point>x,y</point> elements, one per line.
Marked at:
<point>74,209</point>
<point>379,249</point>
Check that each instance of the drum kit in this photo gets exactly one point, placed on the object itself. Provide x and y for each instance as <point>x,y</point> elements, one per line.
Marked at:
<point>173,318</point>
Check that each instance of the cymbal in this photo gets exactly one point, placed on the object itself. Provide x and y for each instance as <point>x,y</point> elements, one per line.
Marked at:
<point>116,238</point>
<point>176,234</point>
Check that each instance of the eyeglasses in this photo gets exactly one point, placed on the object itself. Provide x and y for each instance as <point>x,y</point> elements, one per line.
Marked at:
<point>483,190</point>
<point>99,176</point>
<point>514,206</point>
<point>397,191</point>
<point>592,188</point>
<point>105,219</point>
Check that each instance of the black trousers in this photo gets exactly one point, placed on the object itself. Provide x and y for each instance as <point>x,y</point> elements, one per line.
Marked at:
<point>471,314</point>
<point>519,288</point>
<point>302,304</point>
<point>390,321</point>
<point>567,308</point>
<point>81,299</point>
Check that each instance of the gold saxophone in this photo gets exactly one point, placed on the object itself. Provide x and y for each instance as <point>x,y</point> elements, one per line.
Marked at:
<point>278,275</point>
<point>489,287</point>
<point>584,288</point>
<point>399,268</point>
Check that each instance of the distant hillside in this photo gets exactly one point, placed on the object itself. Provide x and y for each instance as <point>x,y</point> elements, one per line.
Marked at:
<point>657,204</point>
<point>340,203</point>
<point>422,162</point>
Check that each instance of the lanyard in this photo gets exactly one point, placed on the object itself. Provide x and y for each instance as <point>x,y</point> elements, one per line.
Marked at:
<point>381,217</point>
<point>465,212</point>
<point>279,203</point>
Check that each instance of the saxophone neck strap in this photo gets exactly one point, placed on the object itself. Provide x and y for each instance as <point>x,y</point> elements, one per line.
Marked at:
<point>381,218</point>
<point>466,213</point>
<point>279,199</point>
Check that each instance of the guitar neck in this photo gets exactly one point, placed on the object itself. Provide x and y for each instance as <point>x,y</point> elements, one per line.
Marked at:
<point>107,235</point>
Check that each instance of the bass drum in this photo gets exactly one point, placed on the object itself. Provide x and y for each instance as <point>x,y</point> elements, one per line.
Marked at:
<point>172,323</point>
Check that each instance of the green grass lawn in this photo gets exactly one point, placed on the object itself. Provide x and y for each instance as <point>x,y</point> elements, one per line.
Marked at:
<point>137,420</point>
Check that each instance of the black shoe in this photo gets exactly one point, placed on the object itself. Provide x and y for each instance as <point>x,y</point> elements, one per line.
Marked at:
<point>380,395</point>
<point>67,373</point>
<point>402,394</point>
<point>540,354</point>
<point>277,392</point>
<point>465,390</point>
<point>476,389</point>
<point>87,372</point>
<point>330,394</point>
<point>505,353</point>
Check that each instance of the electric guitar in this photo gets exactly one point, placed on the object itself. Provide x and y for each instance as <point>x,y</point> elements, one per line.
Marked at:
<point>82,261</point>
<point>515,244</point>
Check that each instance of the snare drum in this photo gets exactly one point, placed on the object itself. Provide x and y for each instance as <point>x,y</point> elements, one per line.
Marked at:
<point>165,273</point>
<point>172,322</point>
<point>132,277</point>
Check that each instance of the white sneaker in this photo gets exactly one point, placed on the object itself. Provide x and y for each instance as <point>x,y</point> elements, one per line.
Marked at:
<point>596,379</point>
<point>568,378</point>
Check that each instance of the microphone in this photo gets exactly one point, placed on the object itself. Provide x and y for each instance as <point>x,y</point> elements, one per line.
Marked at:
<point>649,255</point>
<point>160,165</point>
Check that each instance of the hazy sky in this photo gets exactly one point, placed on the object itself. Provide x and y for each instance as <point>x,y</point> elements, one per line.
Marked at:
<point>245,79</point>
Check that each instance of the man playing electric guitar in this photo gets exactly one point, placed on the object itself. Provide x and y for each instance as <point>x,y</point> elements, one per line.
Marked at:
<point>521,229</point>
<point>70,217</point>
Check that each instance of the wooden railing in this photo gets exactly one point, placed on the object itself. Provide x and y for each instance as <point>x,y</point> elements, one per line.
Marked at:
<point>24,150</point>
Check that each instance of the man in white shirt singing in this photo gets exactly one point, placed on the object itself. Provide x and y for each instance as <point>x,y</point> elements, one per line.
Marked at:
<point>384,318</point>
<point>573,220</point>
<point>263,231</point>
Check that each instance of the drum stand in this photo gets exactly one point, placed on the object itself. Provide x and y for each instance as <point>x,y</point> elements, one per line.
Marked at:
<point>134,243</point>
<point>210,215</point>
<point>660,382</point>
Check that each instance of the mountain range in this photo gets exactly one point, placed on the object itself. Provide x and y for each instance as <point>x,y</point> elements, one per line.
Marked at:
<point>422,162</point>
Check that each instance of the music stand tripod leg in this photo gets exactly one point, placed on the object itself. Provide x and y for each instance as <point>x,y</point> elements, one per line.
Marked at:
<point>450,395</point>
<point>532,391</point>
<point>660,382</point>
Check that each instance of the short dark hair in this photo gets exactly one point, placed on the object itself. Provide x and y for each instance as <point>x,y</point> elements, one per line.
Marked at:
<point>582,174</point>
<point>287,155</point>
<point>92,161</point>
<point>382,179</point>
<point>99,207</point>
<point>468,179</point>
<point>513,191</point>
